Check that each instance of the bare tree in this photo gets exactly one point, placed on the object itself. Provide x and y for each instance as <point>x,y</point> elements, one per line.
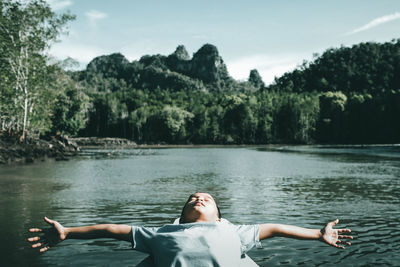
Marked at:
<point>27,30</point>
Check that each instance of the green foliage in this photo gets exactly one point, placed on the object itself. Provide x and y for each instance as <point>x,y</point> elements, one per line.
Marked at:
<point>175,120</point>
<point>239,122</point>
<point>259,117</point>
<point>114,66</point>
<point>346,95</point>
<point>364,68</point>
<point>255,79</point>
<point>27,30</point>
<point>205,71</point>
<point>69,110</point>
<point>331,120</point>
<point>296,118</point>
<point>332,103</point>
<point>138,119</point>
<point>208,66</point>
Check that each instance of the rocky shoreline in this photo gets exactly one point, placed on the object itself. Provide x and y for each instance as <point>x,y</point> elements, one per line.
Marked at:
<point>35,149</point>
<point>58,147</point>
<point>103,142</point>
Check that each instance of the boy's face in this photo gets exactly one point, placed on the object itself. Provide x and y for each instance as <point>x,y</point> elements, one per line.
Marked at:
<point>200,207</point>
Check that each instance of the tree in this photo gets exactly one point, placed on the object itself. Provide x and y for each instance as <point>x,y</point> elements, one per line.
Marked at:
<point>175,120</point>
<point>330,125</point>
<point>138,118</point>
<point>255,79</point>
<point>69,112</point>
<point>27,30</point>
<point>239,122</point>
<point>104,115</point>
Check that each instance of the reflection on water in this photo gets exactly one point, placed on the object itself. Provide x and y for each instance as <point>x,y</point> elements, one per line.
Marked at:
<point>116,153</point>
<point>305,186</point>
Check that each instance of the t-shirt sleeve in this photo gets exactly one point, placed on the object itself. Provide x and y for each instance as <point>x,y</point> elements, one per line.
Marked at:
<point>249,236</point>
<point>141,238</point>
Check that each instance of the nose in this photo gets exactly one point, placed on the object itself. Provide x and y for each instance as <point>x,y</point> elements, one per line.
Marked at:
<point>200,198</point>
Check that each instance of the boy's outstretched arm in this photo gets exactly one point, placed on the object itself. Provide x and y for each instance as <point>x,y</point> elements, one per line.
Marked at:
<point>58,233</point>
<point>327,234</point>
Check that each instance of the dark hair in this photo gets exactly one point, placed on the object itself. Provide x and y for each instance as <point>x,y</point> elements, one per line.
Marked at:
<point>182,218</point>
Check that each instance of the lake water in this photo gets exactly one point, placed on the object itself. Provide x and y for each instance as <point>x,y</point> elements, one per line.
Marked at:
<point>304,186</point>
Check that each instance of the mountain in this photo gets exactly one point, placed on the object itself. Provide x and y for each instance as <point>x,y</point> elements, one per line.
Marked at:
<point>206,70</point>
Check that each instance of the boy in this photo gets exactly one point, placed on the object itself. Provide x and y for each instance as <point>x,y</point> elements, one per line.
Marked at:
<point>199,238</point>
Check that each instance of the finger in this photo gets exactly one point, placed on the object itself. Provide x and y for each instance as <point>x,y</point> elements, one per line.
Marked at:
<point>333,223</point>
<point>37,245</point>
<point>337,246</point>
<point>345,236</point>
<point>44,249</point>
<point>343,242</point>
<point>34,230</point>
<point>344,230</point>
<point>35,238</point>
<point>51,222</point>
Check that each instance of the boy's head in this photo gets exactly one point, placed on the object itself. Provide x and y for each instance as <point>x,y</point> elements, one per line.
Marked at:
<point>200,207</point>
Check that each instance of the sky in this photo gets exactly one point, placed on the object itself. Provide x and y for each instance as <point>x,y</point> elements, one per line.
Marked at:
<point>273,37</point>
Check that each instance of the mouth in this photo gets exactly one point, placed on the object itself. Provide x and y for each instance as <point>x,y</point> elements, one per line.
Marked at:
<point>199,204</point>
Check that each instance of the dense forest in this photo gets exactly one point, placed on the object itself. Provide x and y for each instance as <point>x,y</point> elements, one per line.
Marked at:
<point>345,95</point>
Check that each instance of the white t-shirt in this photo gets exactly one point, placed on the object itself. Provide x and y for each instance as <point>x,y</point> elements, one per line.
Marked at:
<point>197,244</point>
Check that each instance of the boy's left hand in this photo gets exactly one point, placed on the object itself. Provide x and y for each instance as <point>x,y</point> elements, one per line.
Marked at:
<point>333,236</point>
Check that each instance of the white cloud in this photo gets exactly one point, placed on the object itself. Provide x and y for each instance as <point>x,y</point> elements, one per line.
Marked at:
<point>94,15</point>
<point>80,52</point>
<point>201,36</point>
<point>130,54</point>
<point>59,4</point>
<point>143,46</point>
<point>269,66</point>
<point>376,22</point>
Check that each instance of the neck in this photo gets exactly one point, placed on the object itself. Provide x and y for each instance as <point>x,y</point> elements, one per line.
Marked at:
<point>201,218</point>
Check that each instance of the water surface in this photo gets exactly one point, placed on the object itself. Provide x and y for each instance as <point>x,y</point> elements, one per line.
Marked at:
<point>304,186</point>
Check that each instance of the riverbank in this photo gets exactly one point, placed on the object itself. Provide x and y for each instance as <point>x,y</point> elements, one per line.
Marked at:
<point>35,149</point>
<point>104,142</point>
<point>62,148</point>
<point>121,143</point>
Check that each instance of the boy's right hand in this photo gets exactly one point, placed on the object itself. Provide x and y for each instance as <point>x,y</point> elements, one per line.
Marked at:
<point>51,236</point>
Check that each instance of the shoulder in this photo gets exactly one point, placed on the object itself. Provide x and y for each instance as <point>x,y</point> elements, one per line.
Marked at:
<point>144,230</point>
